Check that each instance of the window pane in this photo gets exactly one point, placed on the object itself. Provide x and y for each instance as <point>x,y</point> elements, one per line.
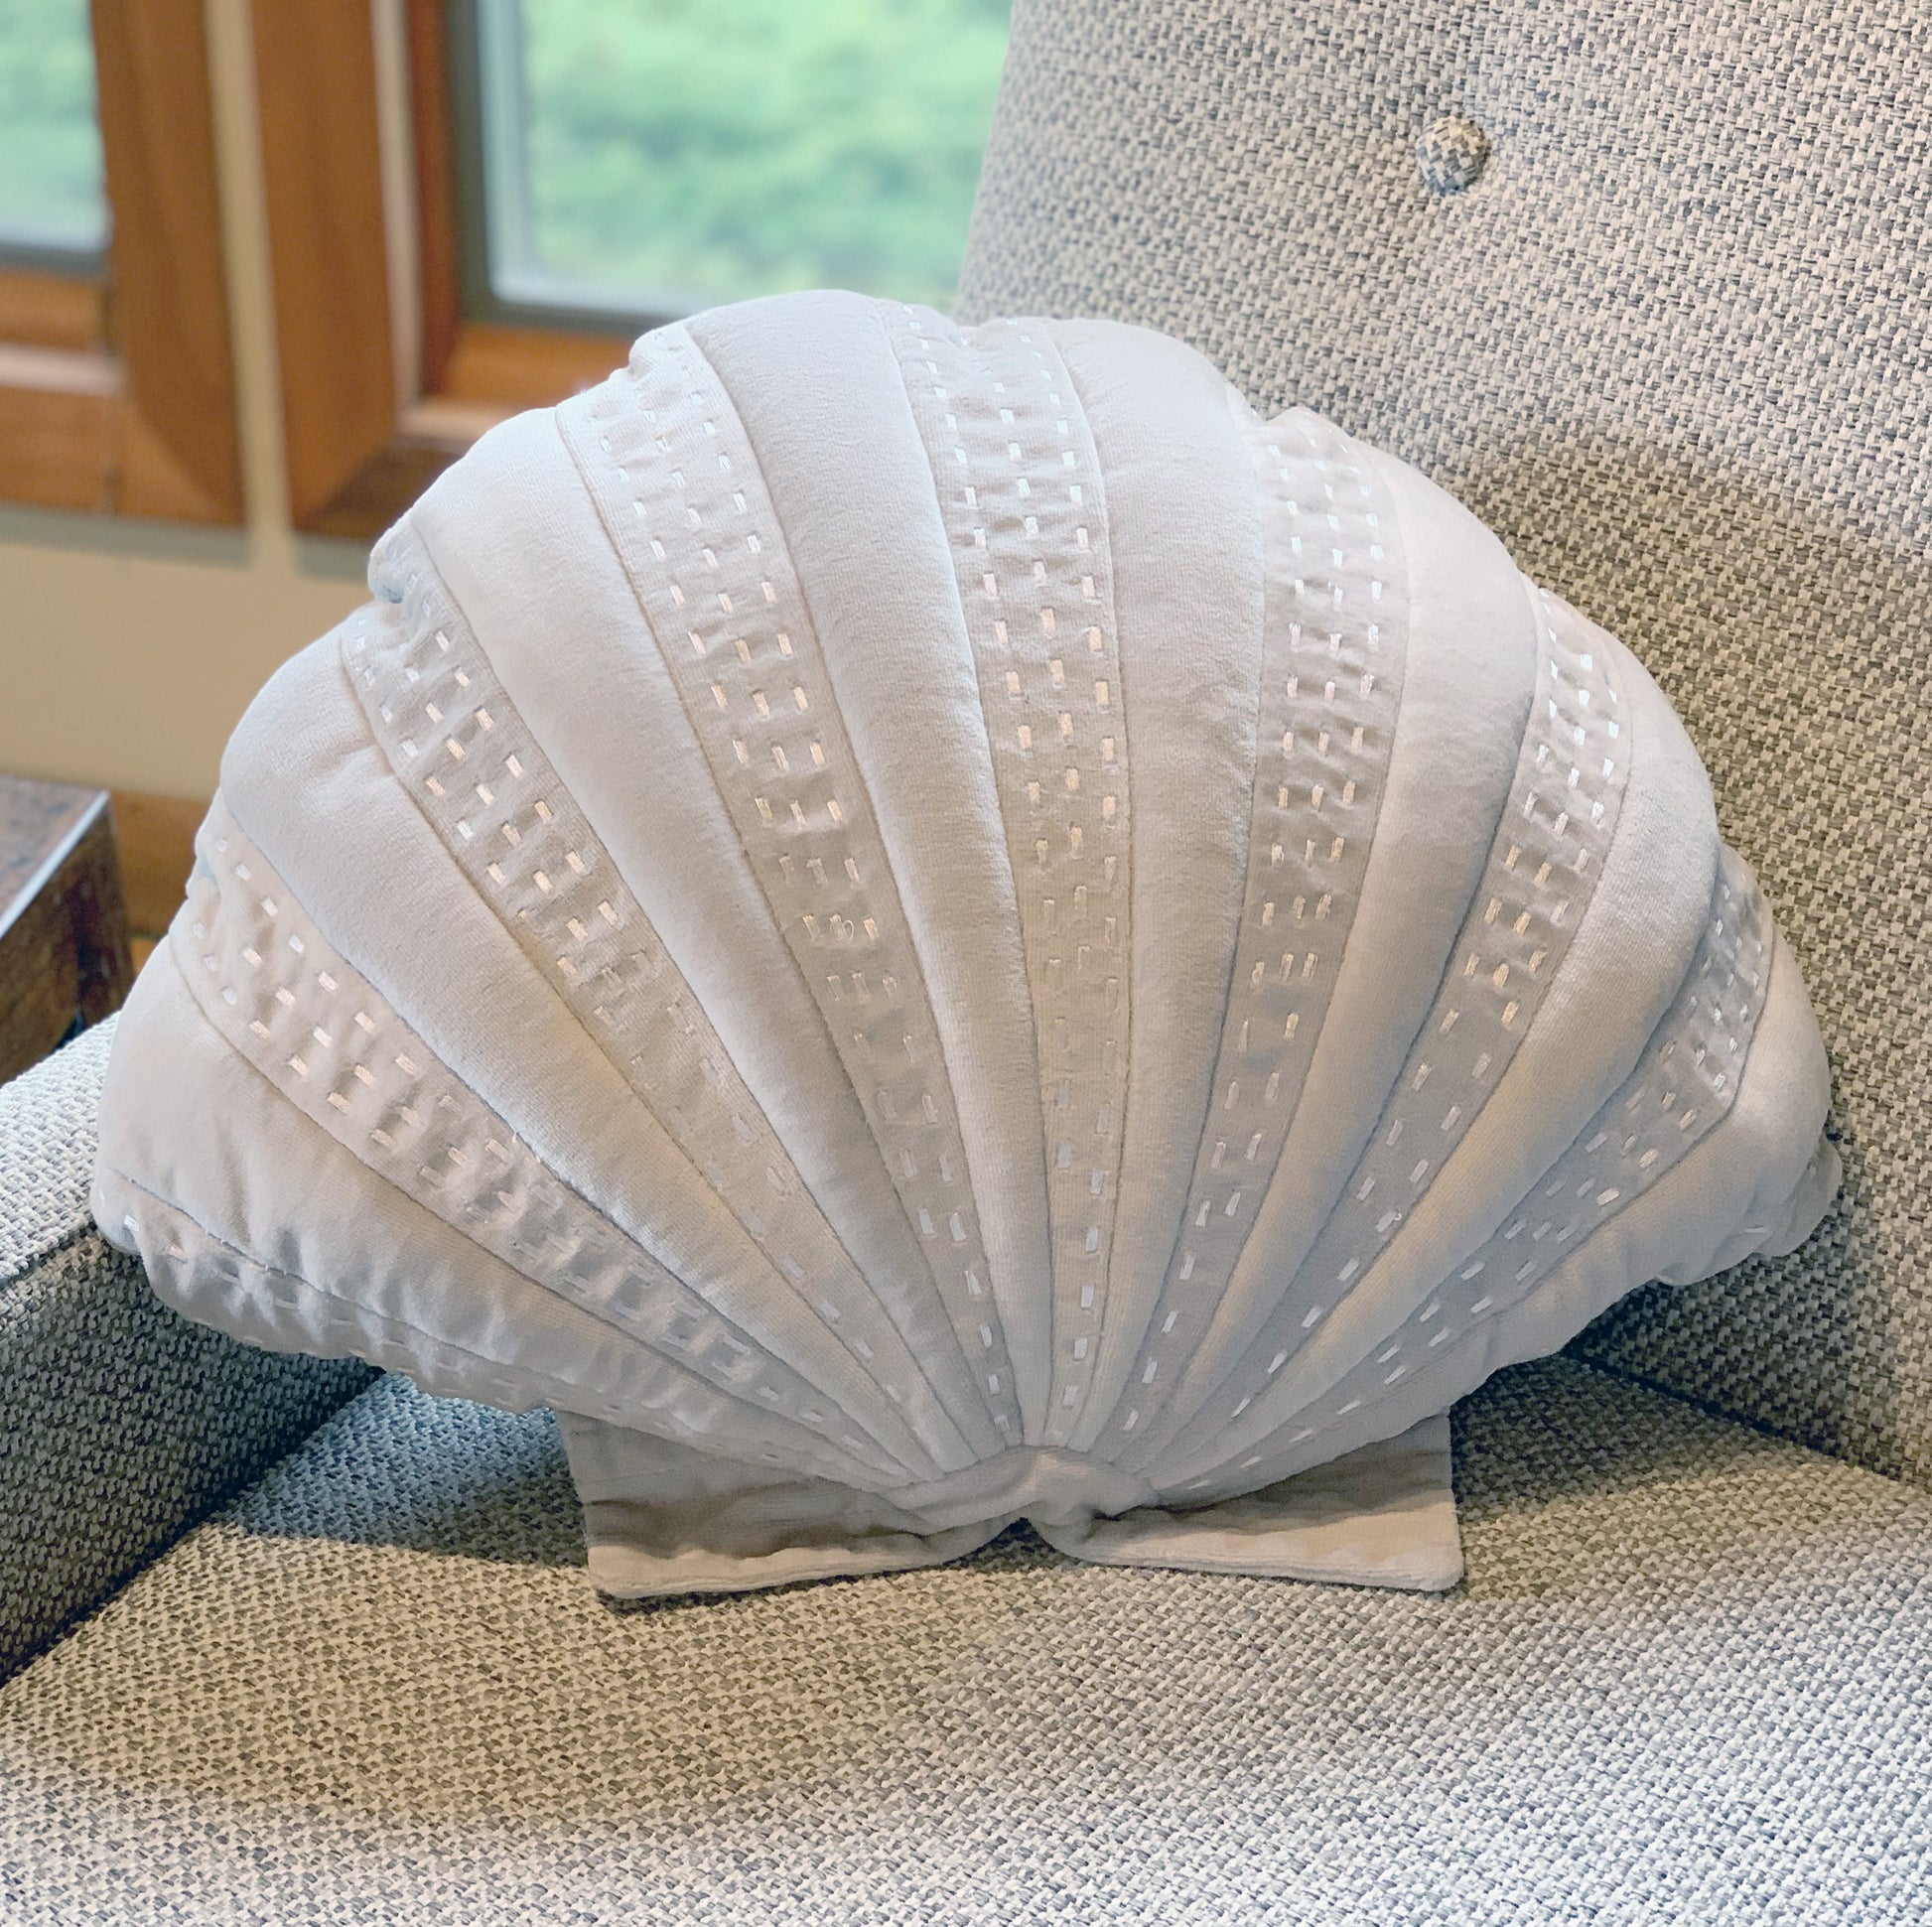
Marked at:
<point>653,156</point>
<point>51,194</point>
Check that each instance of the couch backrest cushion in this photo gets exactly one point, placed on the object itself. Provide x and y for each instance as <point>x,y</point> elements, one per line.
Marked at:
<point>1647,288</point>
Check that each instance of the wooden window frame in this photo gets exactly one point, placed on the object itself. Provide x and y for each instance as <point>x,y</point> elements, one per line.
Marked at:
<point>117,390</point>
<point>369,419</point>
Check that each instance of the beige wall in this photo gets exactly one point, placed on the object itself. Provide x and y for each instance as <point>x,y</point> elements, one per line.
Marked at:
<point>127,651</point>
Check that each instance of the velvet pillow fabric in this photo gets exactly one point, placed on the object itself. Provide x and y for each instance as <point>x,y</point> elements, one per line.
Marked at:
<point>919,927</point>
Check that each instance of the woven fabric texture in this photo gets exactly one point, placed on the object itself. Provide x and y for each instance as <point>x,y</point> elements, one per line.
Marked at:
<point>1683,1680</point>
<point>47,1149</point>
<point>1648,293</point>
<point>124,1423</point>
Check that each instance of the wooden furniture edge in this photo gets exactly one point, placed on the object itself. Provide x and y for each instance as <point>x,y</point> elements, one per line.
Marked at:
<point>63,936</point>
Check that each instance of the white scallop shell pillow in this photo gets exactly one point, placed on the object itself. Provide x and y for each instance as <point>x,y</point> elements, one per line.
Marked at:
<point>918,927</point>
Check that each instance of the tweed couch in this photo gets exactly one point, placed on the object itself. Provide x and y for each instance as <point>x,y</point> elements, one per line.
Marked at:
<point>1646,286</point>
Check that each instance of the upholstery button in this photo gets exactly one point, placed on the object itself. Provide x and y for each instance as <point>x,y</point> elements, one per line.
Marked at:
<point>1451,154</point>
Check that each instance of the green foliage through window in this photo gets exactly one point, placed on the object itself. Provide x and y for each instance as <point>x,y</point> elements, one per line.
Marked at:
<point>662,154</point>
<point>51,193</point>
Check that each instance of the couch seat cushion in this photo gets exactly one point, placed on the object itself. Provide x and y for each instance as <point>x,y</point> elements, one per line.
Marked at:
<point>1686,1677</point>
